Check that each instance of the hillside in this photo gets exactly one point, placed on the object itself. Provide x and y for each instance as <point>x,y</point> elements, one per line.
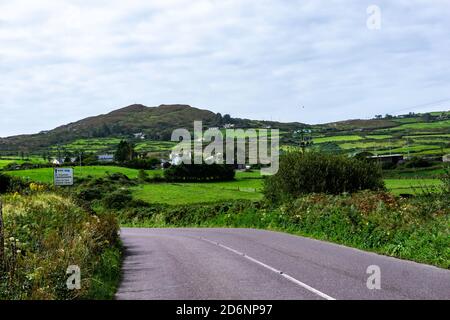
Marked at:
<point>150,128</point>
<point>425,134</point>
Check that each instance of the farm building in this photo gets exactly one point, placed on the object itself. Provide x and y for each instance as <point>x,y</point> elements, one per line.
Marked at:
<point>388,158</point>
<point>106,158</point>
<point>446,158</point>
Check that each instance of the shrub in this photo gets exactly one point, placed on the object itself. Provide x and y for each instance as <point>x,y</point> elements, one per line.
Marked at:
<point>446,181</point>
<point>89,194</point>
<point>117,200</point>
<point>143,175</point>
<point>200,172</point>
<point>5,183</point>
<point>314,172</point>
<point>145,164</point>
<point>11,184</point>
<point>417,162</point>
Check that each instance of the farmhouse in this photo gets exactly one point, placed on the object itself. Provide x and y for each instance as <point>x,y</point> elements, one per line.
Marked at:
<point>388,158</point>
<point>106,158</point>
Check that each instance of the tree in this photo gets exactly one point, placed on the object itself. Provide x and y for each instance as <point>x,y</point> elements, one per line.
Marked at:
<point>125,151</point>
<point>226,118</point>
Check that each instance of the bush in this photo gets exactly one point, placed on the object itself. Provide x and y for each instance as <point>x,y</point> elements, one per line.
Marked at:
<point>417,162</point>
<point>446,181</point>
<point>5,183</point>
<point>11,184</point>
<point>117,200</point>
<point>146,164</point>
<point>143,175</point>
<point>314,172</point>
<point>200,172</point>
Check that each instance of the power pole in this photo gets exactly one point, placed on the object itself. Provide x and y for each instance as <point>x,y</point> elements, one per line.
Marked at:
<point>305,136</point>
<point>2,239</point>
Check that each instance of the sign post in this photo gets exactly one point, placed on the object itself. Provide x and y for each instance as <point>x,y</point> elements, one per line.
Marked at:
<point>63,177</point>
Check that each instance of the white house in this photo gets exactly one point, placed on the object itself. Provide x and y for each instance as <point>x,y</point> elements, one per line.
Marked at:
<point>139,135</point>
<point>446,158</point>
<point>105,158</point>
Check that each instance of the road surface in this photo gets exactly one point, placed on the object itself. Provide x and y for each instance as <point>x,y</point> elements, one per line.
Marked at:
<point>222,264</point>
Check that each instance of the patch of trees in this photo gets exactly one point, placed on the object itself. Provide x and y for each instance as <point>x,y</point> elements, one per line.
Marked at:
<point>125,152</point>
<point>145,164</point>
<point>417,162</point>
<point>200,172</point>
<point>314,172</point>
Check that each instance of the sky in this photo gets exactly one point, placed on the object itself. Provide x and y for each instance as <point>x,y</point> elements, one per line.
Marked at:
<point>311,61</point>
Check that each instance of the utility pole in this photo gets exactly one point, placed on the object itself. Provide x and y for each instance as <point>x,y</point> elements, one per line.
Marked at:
<point>2,239</point>
<point>305,138</point>
<point>79,156</point>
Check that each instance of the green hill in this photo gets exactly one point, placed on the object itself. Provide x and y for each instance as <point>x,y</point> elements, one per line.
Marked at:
<point>150,128</point>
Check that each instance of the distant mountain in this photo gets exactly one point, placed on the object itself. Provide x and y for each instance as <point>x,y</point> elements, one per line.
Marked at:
<point>155,123</point>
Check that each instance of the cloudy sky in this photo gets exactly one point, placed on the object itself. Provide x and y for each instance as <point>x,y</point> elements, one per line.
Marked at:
<point>311,61</point>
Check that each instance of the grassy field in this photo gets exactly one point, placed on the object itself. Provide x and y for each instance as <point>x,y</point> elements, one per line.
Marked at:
<point>4,161</point>
<point>411,186</point>
<point>109,145</point>
<point>246,186</point>
<point>45,175</point>
<point>408,136</point>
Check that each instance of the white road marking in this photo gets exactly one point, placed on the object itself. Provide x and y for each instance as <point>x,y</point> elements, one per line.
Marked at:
<point>286,276</point>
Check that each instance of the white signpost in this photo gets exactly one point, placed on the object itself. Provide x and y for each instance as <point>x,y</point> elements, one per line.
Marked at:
<point>63,177</point>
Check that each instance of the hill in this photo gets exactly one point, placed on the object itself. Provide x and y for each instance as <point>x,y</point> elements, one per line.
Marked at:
<point>150,128</point>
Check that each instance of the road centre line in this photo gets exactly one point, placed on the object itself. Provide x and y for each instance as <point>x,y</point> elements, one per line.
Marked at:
<point>286,276</point>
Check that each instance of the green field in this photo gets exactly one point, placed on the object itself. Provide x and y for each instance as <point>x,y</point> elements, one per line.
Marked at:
<point>411,186</point>
<point>45,175</point>
<point>109,145</point>
<point>4,161</point>
<point>248,185</point>
<point>337,138</point>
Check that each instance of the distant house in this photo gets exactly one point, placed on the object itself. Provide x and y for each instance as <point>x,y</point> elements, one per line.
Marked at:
<point>446,158</point>
<point>228,125</point>
<point>105,158</point>
<point>139,135</point>
<point>388,158</point>
<point>177,159</point>
<point>57,161</point>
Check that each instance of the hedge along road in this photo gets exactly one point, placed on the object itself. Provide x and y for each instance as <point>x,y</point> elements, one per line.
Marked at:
<point>197,264</point>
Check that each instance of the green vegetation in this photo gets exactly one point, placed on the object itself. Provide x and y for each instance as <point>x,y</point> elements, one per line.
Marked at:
<point>46,233</point>
<point>199,172</point>
<point>313,172</point>
<point>186,193</point>
<point>412,186</point>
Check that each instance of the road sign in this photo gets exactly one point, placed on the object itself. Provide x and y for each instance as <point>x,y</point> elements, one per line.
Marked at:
<point>63,177</point>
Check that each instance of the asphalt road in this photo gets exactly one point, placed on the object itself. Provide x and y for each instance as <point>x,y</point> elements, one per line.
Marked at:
<point>198,264</point>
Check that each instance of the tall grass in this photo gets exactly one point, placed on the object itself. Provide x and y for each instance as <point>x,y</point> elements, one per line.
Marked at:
<point>45,233</point>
